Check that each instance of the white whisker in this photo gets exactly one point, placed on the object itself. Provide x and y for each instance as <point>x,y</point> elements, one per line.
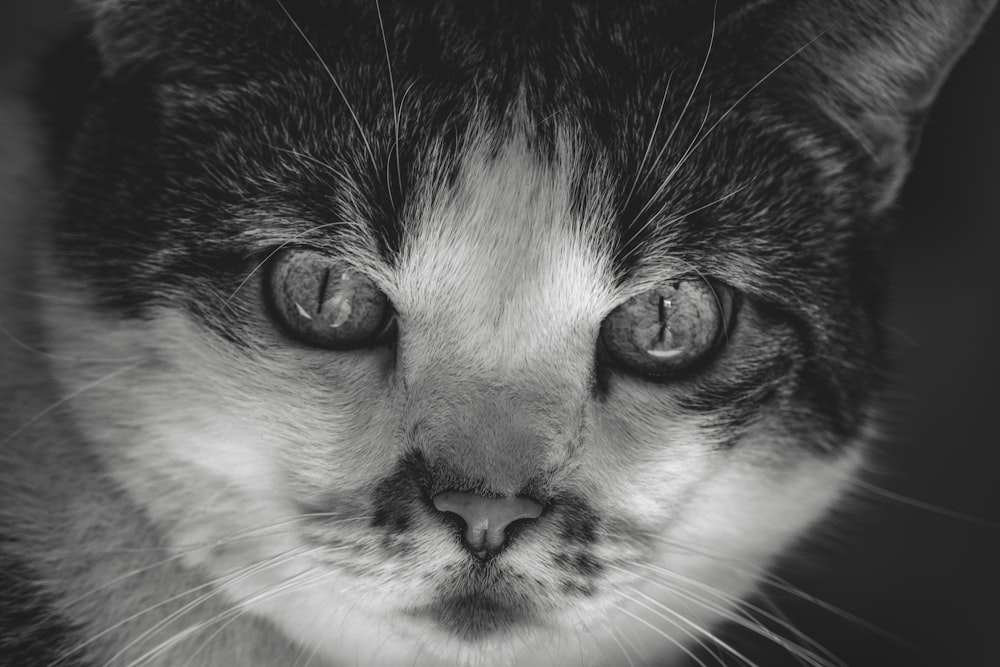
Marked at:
<point>274,252</point>
<point>699,139</point>
<point>773,581</point>
<point>213,591</point>
<point>392,92</point>
<point>663,634</point>
<point>731,608</point>
<point>228,616</point>
<point>649,144</point>
<point>65,399</point>
<point>652,198</point>
<point>344,178</point>
<point>698,631</point>
<point>336,83</point>
<point>617,638</point>
<point>56,357</point>
<point>185,550</point>
<point>920,504</point>
<point>691,95</point>
<point>715,202</point>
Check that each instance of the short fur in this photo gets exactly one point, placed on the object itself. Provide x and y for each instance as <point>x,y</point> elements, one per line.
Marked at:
<point>185,483</point>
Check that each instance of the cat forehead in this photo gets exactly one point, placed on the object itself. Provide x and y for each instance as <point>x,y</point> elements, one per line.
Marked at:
<point>500,225</point>
<point>510,238</point>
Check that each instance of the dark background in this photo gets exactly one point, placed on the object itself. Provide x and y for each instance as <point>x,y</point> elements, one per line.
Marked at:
<point>927,576</point>
<point>932,579</point>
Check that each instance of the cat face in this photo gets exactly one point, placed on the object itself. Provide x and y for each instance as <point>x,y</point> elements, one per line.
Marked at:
<point>588,278</point>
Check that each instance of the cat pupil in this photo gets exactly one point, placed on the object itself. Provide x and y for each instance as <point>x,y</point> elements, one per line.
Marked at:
<point>662,345</point>
<point>321,296</point>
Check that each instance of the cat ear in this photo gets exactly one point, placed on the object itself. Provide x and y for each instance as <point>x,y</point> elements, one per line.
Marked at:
<point>128,33</point>
<point>876,67</point>
<point>124,31</point>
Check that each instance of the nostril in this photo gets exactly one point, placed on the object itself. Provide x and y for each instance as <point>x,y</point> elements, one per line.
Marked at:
<point>486,519</point>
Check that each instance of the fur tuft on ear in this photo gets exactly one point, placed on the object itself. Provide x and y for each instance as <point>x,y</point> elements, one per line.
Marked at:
<point>125,31</point>
<point>876,67</point>
<point>175,34</point>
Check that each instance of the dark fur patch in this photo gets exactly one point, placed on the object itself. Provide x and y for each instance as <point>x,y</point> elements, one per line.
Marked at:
<point>580,563</point>
<point>578,522</point>
<point>475,617</point>
<point>31,631</point>
<point>405,491</point>
<point>484,601</point>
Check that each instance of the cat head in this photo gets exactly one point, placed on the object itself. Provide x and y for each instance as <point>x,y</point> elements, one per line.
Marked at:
<point>484,323</point>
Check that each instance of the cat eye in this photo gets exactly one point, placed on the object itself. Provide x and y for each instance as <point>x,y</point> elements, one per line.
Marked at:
<point>323,302</point>
<point>668,330</point>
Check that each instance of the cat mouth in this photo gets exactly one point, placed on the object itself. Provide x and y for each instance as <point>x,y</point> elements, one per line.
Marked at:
<point>476,617</point>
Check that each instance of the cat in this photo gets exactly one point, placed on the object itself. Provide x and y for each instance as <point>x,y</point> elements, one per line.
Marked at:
<point>452,333</point>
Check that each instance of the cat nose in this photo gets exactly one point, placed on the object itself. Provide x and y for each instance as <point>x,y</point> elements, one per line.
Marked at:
<point>486,519</point>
